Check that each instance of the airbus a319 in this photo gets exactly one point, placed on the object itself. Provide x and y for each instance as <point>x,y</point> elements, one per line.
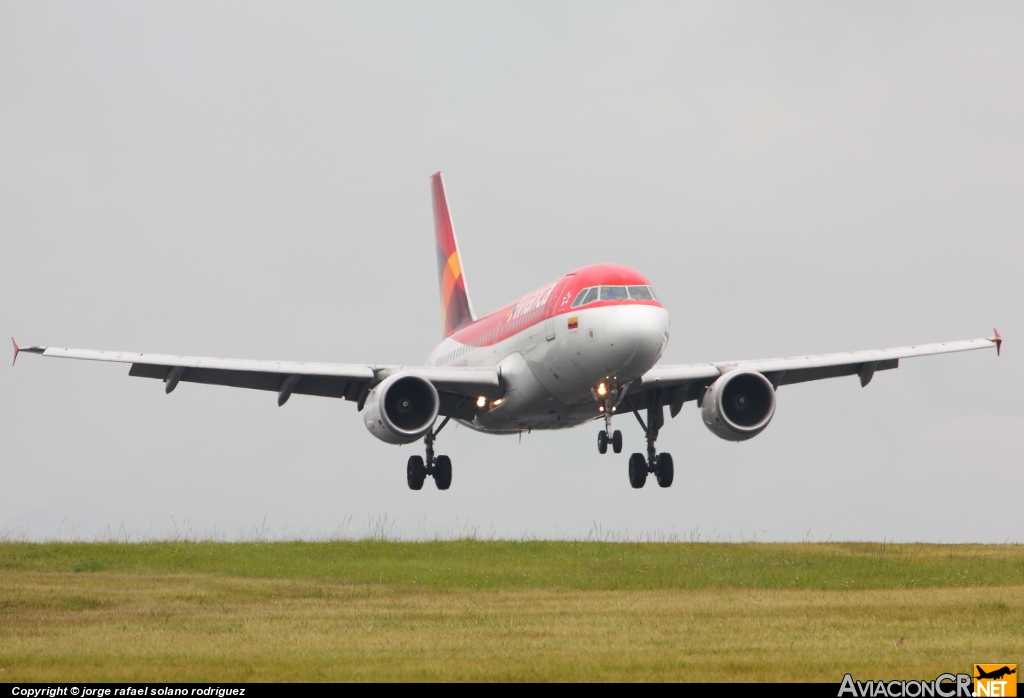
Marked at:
<point>584,347</point>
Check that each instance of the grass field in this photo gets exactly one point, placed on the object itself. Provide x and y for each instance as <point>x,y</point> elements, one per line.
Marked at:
<point>474,610</point>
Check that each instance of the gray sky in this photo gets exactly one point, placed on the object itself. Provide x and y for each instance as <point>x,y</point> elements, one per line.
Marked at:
<point>251,180</point>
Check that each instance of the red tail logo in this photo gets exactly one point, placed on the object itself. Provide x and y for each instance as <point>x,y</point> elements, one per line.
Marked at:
<point>456,310</point>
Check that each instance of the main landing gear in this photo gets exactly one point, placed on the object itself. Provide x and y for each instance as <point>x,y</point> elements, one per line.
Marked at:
<point>658,463</point>
<point>440,468</point>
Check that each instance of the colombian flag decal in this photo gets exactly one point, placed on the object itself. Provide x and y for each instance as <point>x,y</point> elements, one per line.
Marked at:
<point>574,323</point>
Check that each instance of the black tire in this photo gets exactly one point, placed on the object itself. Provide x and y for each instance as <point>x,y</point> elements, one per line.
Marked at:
<point>602,442</point>
<point>637,470</point>
<point>617,441</point>
<point>443,472</point>
<point>665,470</point>
<point>415,472</point>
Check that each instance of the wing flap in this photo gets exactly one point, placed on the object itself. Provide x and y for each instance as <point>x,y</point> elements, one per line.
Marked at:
<point>323,386</point>
<point>802,375</point>
<point>149,371</point>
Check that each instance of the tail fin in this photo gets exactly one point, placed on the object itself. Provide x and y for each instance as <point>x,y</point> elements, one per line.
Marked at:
<point>456,308</point>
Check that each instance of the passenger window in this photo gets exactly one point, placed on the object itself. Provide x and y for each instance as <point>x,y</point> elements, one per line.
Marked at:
<point>613,293</point>
<point>640,293</point>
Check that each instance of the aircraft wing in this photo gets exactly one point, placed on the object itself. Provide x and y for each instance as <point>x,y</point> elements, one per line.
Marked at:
<point>458,388</point>
<point>675,384</point>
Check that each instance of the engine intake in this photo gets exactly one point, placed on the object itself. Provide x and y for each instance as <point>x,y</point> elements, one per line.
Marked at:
<point>738,406</point>
<point>401,409</point>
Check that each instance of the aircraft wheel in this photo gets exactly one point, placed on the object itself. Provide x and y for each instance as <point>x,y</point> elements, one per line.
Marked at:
<point>415,472</point>
<point>637,470</point>
<point>602,442</point>
<point>617,441</point>
<point>665,470</point>
<point>443,472</point>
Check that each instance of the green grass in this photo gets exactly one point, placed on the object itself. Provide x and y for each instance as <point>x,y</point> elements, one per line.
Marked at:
<point>478,565</point>
<point>472,610</point>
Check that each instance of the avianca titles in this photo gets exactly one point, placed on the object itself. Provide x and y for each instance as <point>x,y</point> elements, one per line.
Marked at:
<point>582,348</point>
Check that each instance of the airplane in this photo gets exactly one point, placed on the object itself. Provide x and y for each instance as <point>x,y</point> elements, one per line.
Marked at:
<point>996,674</point>
<point>581,348</point>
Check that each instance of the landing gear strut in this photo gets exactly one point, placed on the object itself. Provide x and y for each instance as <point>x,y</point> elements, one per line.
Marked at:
<point>440,468</point>
<point>608,436</point>
<point>659,464</point>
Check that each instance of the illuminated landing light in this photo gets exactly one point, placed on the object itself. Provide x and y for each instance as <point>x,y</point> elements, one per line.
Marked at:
<point>498,402</point>
<point>481,401</point>
<point>602,389</point>
<point>613,409</point>
<point>601,408</point>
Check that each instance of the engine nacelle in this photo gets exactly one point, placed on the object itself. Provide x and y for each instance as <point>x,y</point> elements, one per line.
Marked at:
<point>738,406</point>
<point>401,409</point>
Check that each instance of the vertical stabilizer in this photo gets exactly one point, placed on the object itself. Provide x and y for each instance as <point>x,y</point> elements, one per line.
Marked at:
<point>456,309</point>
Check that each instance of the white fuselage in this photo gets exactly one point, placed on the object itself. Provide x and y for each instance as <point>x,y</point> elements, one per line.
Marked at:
<point>551,371</point>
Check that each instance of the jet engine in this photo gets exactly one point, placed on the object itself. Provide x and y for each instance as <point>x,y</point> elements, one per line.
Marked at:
<point>401,409</point>
<point>738,406</point>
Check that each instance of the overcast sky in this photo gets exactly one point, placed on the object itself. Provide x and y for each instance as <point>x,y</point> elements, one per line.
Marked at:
<point>251,180</point>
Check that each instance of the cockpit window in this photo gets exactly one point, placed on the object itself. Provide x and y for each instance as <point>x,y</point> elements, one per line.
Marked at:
<point>587,295</point>
<point>613,293</point>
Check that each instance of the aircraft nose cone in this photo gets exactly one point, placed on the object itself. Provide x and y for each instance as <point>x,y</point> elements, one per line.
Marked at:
<point>637,335</point>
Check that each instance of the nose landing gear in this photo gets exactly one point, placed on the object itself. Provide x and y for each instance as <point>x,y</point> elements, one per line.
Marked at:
<point>440,468</point>
<point>659,464</point>
<point>608,436</point>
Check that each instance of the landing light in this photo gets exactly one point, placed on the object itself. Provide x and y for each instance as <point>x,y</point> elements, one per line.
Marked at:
<point>498,402</point>
<point>481,401</point>
<point>601,408</point>
<point>602,389</point>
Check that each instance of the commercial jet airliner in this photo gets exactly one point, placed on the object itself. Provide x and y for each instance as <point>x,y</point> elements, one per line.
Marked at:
<point>584,347</point>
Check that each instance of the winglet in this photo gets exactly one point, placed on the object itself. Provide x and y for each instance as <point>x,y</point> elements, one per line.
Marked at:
<point>998,339</point>
<point>30,350</point>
